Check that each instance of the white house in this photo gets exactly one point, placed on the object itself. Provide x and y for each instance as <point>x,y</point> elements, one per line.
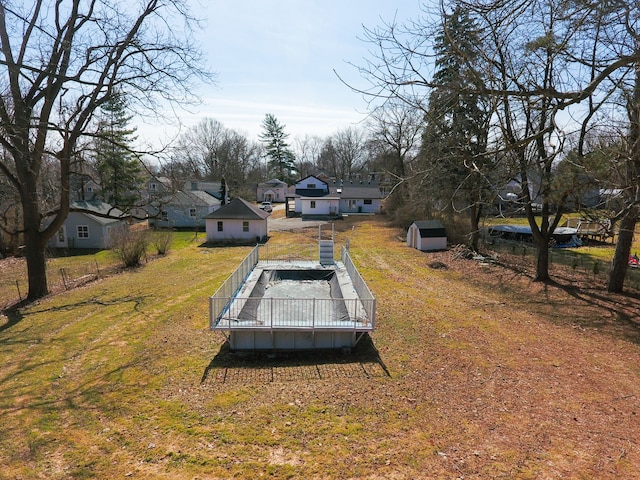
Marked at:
<point>236,222</point>
<point>314,196</point>
<point>274,191</point>
<point>427,235</point>
<point>89,226</point>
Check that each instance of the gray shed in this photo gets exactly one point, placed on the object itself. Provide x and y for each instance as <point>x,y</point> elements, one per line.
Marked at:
<point>427,235</point>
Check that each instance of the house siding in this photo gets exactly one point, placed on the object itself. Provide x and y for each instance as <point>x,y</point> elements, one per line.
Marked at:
<point>233,230</point>
<point>179,217</point>
<point>98,233</point>
<point>323,206</point>
<point>358,206</point>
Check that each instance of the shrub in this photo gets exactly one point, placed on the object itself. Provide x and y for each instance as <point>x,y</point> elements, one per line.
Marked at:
<point>162,239</point>
<point>130,245</point>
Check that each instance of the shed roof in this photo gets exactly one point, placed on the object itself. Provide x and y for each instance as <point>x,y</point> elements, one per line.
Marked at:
<point>430,228</point>
<point>240,209</point>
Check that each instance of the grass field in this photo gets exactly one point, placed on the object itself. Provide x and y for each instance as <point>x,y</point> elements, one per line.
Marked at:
<point>473,371</point>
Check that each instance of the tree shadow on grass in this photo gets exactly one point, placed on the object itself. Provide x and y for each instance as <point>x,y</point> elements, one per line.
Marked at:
<point>15,315</point>
<point>362,361</point>
<point>584,301</point>
<point>622,309</point>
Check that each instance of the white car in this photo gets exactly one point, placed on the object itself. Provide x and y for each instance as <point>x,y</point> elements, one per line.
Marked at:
<point>266,206</point>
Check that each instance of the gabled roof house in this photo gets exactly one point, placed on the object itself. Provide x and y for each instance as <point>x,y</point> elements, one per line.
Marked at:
<point>186,209</point>
<point>273,190</point>
<point>316,197</point>
<point>237,222</point>
<point>90,227</point>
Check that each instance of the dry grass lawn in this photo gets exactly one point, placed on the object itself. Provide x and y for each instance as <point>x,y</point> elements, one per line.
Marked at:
<point>473,372</point>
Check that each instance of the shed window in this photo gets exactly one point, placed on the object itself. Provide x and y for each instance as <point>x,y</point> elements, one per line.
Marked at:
<point>83,231</point>
<point>367,201</point>
<point>164,216</point>
<point>245,226</point>
<point>219,226</point>
<point>313,204</point>
<point>311,185</point>
<point>192,212</point>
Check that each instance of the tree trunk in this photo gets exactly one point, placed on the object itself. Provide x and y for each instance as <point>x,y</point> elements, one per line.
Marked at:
<point>623,249</point>
<point>542,261</point>
<point>475,213</point>
<point>36,266</point>
<point>34,246</point>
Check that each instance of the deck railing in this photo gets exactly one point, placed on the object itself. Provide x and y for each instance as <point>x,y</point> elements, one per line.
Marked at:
<point>220,300</point>
<point>366,297</point>
<point>298,313</point>
<point>226,312</point>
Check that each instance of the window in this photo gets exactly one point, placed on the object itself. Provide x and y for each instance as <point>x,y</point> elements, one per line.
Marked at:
<point>220,226</point>
<point>311,185</point>
<point>245,226</point>
<point>164,216</point>
<point>83,231</point>
<point>192,212</point>
<point>61,235</point>
<point>367,201</point>
<point>313,204</point>
<point>90,189</point>
<point>153,187</point>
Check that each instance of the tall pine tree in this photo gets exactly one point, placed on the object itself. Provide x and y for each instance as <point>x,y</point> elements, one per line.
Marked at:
<point>457,121</point>
<point>119,168</point>
<point>281,158</point>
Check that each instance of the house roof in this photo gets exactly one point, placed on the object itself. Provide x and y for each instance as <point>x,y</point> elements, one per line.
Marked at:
<point>430,228</point>
<point>104,213</point>
<point>274,182</point>
<point>240,209</point>
<point>357,191</point>
<point>192,198</point>
<point>314,178</point>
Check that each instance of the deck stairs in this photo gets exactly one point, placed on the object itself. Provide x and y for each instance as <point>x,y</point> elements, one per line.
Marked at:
<point>325,248</point>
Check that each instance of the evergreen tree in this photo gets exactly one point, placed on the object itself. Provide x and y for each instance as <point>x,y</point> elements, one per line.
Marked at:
<point>119,168</point>
<point>457,122</point>
<point>281,157</point>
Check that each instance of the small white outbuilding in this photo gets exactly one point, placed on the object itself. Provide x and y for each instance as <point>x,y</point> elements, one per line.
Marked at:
<point>237,222</point>
<point>427,235</point>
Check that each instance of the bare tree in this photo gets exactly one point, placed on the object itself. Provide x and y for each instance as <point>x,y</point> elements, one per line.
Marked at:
<point>350,151</point>
<point>307,150</point>
<point>211,151</point>
<point>548,72</point>
<point>62,61</point>
<point>395,129</point>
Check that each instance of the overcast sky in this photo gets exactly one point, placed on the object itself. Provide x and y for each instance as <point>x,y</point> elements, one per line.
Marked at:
<point>279,57</point>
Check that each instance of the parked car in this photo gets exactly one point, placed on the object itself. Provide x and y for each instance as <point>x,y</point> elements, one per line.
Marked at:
<point>266,206</point>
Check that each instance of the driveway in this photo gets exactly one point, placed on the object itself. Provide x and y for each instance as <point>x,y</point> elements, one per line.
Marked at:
<point>293,223</point>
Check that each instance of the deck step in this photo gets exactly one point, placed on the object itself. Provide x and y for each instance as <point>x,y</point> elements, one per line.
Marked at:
<point>326,252</point>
